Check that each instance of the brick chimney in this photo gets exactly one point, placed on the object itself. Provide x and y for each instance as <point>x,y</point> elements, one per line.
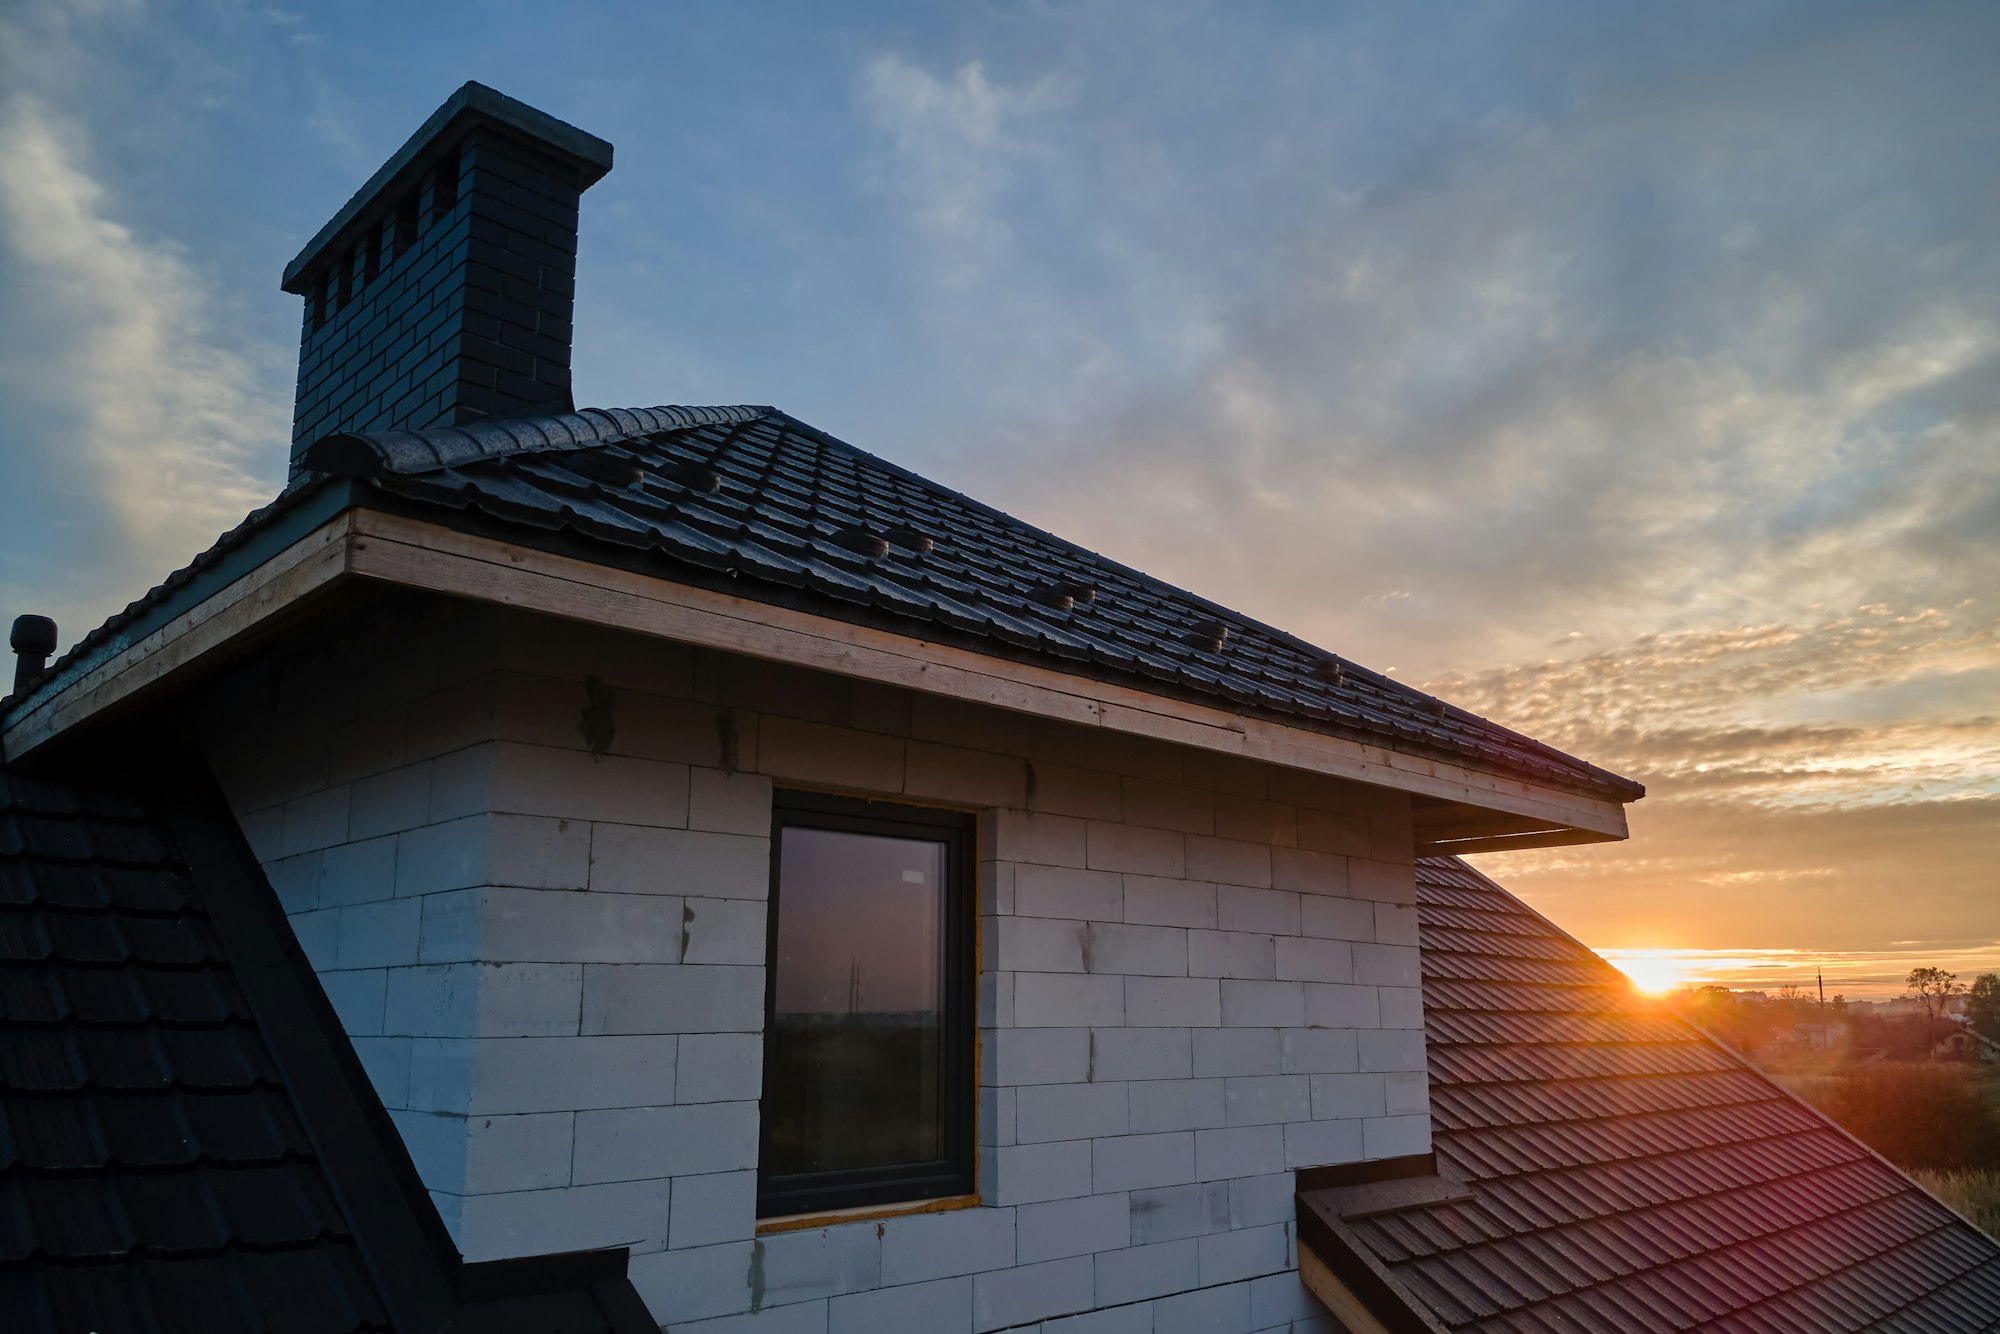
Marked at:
<point>443,292</point>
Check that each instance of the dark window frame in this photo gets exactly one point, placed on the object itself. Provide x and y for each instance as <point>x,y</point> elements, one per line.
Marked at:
<point>906,1183</point>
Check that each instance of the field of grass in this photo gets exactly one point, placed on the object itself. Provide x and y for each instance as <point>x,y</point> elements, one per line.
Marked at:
<point>1975,1194</point>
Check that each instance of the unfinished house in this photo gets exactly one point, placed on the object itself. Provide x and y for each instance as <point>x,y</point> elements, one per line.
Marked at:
<point>724,871</point>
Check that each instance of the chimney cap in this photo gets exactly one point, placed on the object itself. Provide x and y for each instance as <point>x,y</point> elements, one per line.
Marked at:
<point>473,104</point>
<point>33,635</point>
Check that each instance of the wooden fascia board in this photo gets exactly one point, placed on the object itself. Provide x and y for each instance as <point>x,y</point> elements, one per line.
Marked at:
<point>419,554</point>
<point>307,566</point>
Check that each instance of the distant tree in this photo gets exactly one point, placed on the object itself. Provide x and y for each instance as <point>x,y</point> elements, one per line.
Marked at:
<point>1932,987</point>
<point>1984,1011</point>
<point>1839,1004</point>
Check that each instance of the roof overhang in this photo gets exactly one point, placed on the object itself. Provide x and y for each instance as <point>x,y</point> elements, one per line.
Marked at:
<point>1457,809</point>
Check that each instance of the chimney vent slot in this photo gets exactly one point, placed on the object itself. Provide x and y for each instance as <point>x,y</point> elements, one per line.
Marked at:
<point>406,223</point>
<point>319,301</point>
<point>371,263</point>
<point>444,186</point>
<point>346,280</point>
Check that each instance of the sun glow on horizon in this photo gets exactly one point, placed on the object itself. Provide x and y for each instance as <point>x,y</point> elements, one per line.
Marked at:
<point>1655,972</point>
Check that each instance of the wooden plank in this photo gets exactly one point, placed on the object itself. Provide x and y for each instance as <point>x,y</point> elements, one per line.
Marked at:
<point>425,555</point>
<point>309,565</point>
<point>1336,1296</point>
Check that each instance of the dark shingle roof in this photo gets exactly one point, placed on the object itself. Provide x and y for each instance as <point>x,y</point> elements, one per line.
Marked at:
<point>1613,1168</point>
<point>772,508</point>
<point>186,1140</point>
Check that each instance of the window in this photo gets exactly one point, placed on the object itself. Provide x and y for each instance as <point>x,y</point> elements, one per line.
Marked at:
<point>868,1056</point>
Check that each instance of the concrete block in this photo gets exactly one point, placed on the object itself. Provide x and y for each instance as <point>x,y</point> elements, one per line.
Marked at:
<point>1261,1200</point>
<point>1235,1051</point>
<point>694,1284</point>
<point>436,1141</point>
<point>509,1153</point>
<point>1265,911</point>
<point>1231,1257</point>
<point>836,756</point>
<point>1036,1055</point>
<point>1386,965</point>
<point>1223,1310</point>
<point>944,1306</point>
<point>719,1067</point>
<point>672,998</point>
<point>1172,1002</point>
<point>1253,820</point>
<point>1031,1173</point>
<point>816,1264</point>
<point>484,1000</point>
<point>634,1143</point>
<point>920,1247</point>
<point>1406,1092</point>
<point>1061,789</point>
<point>1066,1000</point>
<point>716,1207</point>
<point>1307,872</point>
<point>964,777</point>
<point>461,781</point>
<point>1240,954</point>
<point>1322,1143</point>
<point>1335,1005</point>
<point>1331,831</point>
<point>1047,1112</point>
<point>537,852</point>
<point>657,728</point>
<point>1035,837</point>
<point>1391,1049</point>
<point>1395,923</point>
<point>1252,1004</point>
<point>1384,882</point>
<point>442,857</point>
<point>996,889</point>
<point>1036,944</point>
<point>570,927</point>
<point>1395,1136</point>
<point>1158,951</point>
<point>1131,1318</point>
<point>1136,1162</point>
<point>380,935</point>
<point>1257,1100</point>
<point>1337,919</point>
<point>1141,1272</point>
<point>316,820</point>
<point>1140,1053</point>
<point>1306,960</point>
<point>1063,1228</point>
<point>1173,1212</point>
<point>441,1074</point>
<point>295,880</point>
<point>1117,752</point>
<point>996,999</point>
<point>1317,1051</point>
<point>722,931</point>
<point>1175,1104</point>
<point>1402,1007</point>
<point>356,998</point>
<point>1124,847</point>
<point>1152,901</point>
<point>960,722</point>
<point>1392,840</point>
<point>1013,1297</point>
<point>1169,806</point>
<point>996,1117</point>
<point>1239,1151</point>
<point>352,873</point>
<point>1046,891</point>
<point>1280,1299</point>
<point>577,785</point>
<point>387,1061</point>
<point>389,802</point>
<point>1348,1097</point>
<point>729,803</point>
<point>633,1214</point>
<point>562,1074</point>
<point>799,1318</point>
<point>1229,861</point>
<point>631,859</point>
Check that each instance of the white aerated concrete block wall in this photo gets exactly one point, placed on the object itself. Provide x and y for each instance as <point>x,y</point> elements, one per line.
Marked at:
<point>1198,975</point>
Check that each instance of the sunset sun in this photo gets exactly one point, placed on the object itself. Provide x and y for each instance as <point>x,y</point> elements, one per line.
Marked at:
<point>1655,972</point>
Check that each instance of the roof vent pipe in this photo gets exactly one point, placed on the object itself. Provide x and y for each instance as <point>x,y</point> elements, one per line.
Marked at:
<point>33,639</point>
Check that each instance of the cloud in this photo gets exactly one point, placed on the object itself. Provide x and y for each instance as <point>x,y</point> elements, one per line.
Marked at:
<point>151,433</point>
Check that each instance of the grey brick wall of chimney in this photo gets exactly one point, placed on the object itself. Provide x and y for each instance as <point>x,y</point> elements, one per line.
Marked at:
<point>444,291</point>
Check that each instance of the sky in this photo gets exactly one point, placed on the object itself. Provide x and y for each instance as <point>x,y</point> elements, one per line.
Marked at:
<point>1629,374</point>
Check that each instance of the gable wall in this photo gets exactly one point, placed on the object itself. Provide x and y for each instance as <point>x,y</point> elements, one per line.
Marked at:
<point>1197,975</point>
